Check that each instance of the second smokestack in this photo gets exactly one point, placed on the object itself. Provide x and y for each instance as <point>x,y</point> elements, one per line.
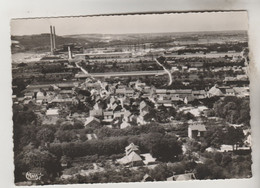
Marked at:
<point>51,37</point>
<point>54,38</point>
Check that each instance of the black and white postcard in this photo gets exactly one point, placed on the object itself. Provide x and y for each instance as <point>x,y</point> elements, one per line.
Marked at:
<point>141,97</point>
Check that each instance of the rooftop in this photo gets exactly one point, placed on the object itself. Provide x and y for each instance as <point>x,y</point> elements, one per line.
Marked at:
<point>198,127</point>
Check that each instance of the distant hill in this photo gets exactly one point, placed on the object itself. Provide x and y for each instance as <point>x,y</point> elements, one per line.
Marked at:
<point>41,43</point>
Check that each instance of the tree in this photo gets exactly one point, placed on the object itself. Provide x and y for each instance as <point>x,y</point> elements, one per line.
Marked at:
<point>217,173</point>
<point>226,160</point>
<point>234,136</point>
<point>45,135</point>
<point>214,137</point>
<point>163,147</point>
<point>218,158</point>
<point>202,171</point>
<point>65,135</point>
<point>37,158</point>
<point>78,124</point>
<point>160,172</point>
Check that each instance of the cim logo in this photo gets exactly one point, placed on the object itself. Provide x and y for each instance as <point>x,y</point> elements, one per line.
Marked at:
<point>33,176</point>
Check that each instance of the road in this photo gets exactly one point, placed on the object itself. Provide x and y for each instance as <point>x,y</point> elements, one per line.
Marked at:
<point>82,69</point>
<point>167,71</point>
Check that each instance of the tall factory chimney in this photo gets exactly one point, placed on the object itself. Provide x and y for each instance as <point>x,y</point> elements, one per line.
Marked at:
<point>51,37</point>
<point>54,38</point>
<point>69,52</point>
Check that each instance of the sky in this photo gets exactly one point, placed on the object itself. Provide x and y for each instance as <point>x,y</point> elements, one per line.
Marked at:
<point>121,24</point>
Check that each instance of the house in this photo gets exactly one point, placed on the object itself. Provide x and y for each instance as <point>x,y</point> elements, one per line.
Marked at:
<point>193,70</point>
<point>29,95</point>
<point>230,92</point>
<point>174,69</point>
<point>133,118</point>
<point>108,115</point>
<point>131,148</point>
<point>140,120</point>
<point>96,113</point>
<point>144,108</point>
<point>166,103</point>
<point>116,107</point>
<point>160,93</point>
<point>182,177</point>
<point>199,94</point>
<point>127,115</point>
<point>92,122</point>
<point>196,131</point>
<point>242,77</point>
<point>124,125</point>
<point>241,91</point>
<point>148,159</point>
<point>92,86</point>
<point>119,114</point>
<point>148,91</point>
<point>147,178</point>
<point>184,68</point>
<point>215,91</point>
<point>66,86</point>
<point>176,100</point>
<point>129,92</point>
<point>91,136</point>
<point>112,100</point>
<point>52,112</point>
<point>98,106</point>
<point>182,93</point>
<point>132,159</point>
<point>120,92</point>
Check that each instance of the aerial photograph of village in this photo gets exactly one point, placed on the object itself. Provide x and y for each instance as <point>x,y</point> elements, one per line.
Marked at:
<point>131,98</point>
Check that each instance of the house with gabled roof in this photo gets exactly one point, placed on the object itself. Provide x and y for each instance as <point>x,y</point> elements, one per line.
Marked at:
<point>144,108</point>
<point>127,115</point>
<point>133,159</point>
<point>215,91</point>
<point>124,125</point>
<point>131,148</point>
<point>148,159</point>
<point>92,122</point>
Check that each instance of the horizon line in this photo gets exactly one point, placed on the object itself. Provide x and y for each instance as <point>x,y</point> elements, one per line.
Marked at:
<point>140,33</point>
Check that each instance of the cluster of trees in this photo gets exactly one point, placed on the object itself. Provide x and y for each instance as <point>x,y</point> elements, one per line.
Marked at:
<point>224,165</point>
<point>233,109</point>
<point>161,115</point>
<point>216,136</point>
<point>20,85</point>
<point>142,65</point>
<point>238,47</point>
<point>31,159</point>
<point>164,147</point>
